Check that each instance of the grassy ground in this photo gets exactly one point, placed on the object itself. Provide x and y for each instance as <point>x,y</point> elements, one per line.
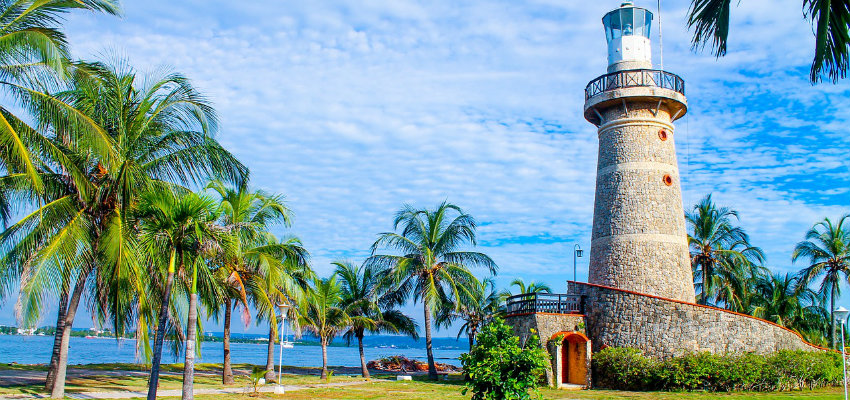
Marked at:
<point>206,376</point>
<point>424,390</point>
<point>420,389</point>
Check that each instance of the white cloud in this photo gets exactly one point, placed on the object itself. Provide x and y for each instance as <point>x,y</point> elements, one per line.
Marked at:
<point>353,110</point>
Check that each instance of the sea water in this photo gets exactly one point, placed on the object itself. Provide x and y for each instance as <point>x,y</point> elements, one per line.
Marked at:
<point>37,349</point>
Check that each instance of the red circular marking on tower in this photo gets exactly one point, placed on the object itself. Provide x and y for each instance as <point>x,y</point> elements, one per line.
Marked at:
<point>667,180</point>
<point>662,134</point>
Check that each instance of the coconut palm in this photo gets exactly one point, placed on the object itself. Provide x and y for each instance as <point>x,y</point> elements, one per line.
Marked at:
<point>483,304</point>
<point>248,215</point>
<point>320,312</point>
<point>34,56</point>
<point>532,287</point>
<point>718,248</point>
<point>831,19</point>
<point>362,288</point>
<point>182,228</point>
<point>81,231</point>
<point>827,247</point>
<point>285,276</point>
<point>432,267</point>
<point>777,299</point>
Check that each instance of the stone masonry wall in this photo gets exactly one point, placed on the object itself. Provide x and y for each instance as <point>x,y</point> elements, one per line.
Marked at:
<point>638,237</point>
<point>664,328</point>
<point>546,326</point>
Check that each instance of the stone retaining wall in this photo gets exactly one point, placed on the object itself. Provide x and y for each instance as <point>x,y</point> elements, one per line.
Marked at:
<point>664,328</point>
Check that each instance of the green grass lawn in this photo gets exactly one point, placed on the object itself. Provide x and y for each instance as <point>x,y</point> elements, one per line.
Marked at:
<point>419,389</point>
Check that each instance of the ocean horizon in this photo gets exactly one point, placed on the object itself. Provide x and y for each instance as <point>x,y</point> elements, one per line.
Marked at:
<point>36,349</point>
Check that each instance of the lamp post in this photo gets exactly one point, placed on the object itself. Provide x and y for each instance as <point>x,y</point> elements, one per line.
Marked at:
<point>283,308</point>
<point>577,252</point>
<point>840,315</point>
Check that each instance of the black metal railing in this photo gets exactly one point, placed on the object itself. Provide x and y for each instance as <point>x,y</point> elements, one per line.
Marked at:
<point>545,302</point>
<point>635,78</point>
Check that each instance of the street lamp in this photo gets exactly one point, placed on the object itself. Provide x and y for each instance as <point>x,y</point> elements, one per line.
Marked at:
<point>577,252</point>
<point>279,388</point>
<point>840,315</point>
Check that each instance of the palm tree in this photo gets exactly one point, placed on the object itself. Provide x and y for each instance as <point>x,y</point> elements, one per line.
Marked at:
<point>831,19</point>
<point>777,299</point>
<point>285,276</point>
<point>248,215</point>
<point>717,245</point>
<point>34,56</point>
<point>532,287</point>
<point>431,267</point>
<point>362,288</point>
<point>827,247</point>
<point>159,135</point>
<point>181,226</point>
<point>483,304</point>
<point>320,312</point>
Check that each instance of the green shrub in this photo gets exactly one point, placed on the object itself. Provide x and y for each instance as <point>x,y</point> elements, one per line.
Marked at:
<point>498,368</point>
<point>623,368</point>
<point>628,369</point>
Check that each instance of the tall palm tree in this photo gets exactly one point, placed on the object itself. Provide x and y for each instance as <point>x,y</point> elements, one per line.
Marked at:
<point>362,288</point>
<point>716,244</point>
<point>827,247</point>
<point>34,56</point>
<point>320,312</point>
<point>248,215</point>
<point>285,276</point>
<point>159,135</point>
<point>432,267</point>
<point>483,304</point>
<point>831,20</point>
<point>180,227</point>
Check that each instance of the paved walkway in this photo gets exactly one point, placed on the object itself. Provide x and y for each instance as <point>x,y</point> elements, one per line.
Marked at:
<point>177,392</point>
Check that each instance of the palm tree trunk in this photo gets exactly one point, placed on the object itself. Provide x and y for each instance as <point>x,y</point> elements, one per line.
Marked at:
<point>270,356</point>
<point>363,370</point>
<point>58,390</point>
<point>832,319</point>
<point>191,328</point>
<point>227,370</point>
<point>432,368</point>
<point>705,283</point>
<point>57,340</point>
<point>153,383</point>
<point>471,335</point>
<point>324,360</point>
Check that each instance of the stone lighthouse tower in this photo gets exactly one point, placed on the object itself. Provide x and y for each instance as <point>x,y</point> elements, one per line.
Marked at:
<point>639,241</point>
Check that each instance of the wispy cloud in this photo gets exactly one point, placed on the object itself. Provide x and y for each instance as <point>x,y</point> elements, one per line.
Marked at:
<point>352,110</point>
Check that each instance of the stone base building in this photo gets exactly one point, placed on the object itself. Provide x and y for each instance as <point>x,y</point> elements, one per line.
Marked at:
<point>591,317</point>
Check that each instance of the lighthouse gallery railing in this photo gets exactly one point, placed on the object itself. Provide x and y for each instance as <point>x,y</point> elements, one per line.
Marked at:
<point>545,302</point>
<point>635,78</point>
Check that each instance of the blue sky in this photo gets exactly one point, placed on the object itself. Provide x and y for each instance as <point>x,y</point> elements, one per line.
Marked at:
<point>352,109</point>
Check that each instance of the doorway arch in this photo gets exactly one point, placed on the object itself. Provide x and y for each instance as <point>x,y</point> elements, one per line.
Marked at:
<point>573,358</point>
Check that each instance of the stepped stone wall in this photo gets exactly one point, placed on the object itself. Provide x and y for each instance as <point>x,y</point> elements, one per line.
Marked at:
<point>664,328</point>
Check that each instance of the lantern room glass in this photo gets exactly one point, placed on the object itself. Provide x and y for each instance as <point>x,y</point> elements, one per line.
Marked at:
<point>627,21</point>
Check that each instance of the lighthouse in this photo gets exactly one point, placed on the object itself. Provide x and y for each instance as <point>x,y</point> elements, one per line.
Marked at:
<point>639,242</point>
